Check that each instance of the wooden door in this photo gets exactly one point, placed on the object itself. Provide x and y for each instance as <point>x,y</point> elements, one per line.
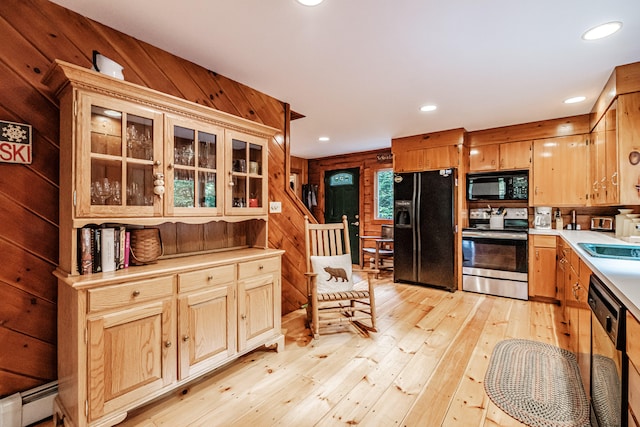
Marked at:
<point>597,164</point>
<point>342,197</point>
<point>515,155</point>
<point>484,158</point>
<point>258,310</point>
<point>131,353</point>
<point>207,327</point>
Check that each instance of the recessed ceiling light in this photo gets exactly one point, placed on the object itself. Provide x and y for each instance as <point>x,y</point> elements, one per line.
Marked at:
<point>310,2</point>
<point>575,99</point>
<point>324,139</point>
<point>602,31</point>
<point>428,108</point>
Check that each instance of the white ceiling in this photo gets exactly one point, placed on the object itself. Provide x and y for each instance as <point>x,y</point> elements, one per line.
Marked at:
<point>360,69</point>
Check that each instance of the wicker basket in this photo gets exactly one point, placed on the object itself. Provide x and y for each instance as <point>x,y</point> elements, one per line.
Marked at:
<point>146,246</point>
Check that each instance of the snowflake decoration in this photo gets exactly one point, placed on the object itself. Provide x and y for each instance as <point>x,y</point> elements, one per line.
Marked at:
<point>14,133</point>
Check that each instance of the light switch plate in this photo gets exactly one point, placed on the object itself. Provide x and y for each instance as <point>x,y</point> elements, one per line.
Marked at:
<point>275,207</point>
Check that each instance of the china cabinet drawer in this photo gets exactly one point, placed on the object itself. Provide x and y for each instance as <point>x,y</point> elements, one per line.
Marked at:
<point>204,278</point>
<point>253,268</point>
<point>110,297</point>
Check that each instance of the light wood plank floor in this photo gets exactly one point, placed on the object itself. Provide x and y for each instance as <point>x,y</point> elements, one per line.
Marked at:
<point>425,367</point>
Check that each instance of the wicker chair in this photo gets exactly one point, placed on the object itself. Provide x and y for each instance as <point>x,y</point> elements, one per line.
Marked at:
<point>332,297</point>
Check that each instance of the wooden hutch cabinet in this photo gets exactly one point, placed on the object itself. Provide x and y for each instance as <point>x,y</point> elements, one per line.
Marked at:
<point>135,157</point>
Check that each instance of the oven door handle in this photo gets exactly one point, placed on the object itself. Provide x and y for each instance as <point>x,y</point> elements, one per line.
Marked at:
<point>494,235</point>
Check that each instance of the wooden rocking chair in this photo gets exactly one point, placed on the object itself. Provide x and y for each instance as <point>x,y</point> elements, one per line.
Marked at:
<point>332,297</point>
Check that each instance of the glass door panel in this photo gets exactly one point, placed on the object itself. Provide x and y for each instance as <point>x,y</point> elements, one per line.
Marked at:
<point>255,192</point>
<point>207,190</point>
<point>106,131</point>
<point>255,159</point>
<point>106,181</point>
<point>139,185</point>
<point>139,137</point>
<point>183,189</point>
<point>239,191</point>
<point>207,155</point>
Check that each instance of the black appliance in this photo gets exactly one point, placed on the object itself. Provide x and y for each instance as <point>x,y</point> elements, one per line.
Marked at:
<point>424,228</point>
<point>513,185</point>
<point>495,261</point>
<point>609,364</point>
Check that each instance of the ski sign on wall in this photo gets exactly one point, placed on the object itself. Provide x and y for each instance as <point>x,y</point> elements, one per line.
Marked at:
<point>15,142</point>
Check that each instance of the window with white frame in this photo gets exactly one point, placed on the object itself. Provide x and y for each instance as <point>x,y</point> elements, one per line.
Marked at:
<point>383,194</point>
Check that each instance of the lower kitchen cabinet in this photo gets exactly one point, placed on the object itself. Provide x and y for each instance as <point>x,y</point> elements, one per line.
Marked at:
<point>633,351</point>
<point>542,271</point>
<point>138,333</point>
<point>577,312</point>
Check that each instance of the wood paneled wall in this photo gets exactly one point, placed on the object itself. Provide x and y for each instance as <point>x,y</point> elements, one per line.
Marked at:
<point>368,163</point>
<point>34,33</point>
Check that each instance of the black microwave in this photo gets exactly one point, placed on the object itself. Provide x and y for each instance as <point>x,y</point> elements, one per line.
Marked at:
<point>513,185</point>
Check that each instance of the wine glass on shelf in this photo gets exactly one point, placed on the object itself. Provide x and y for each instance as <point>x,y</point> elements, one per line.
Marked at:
<point>102,190</point>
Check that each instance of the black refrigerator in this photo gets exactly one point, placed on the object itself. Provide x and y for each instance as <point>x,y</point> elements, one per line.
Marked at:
<point>424,228</point>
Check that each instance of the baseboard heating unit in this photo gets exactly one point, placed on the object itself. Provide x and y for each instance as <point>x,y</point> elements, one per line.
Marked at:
<point>28,407</point>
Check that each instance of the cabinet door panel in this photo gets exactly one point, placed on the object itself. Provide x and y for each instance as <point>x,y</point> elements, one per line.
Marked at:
<point>130,355</point>
<point>408,161</point>
<point>258,310</point>
<point>560,172</point>
<point>195,176</point>
<point>119,148</point>
<point>515,155</point>
<point>544,273</point>
<point>207,329</point>
<point>246,179</point>
<point>484,157</point>
<point>441,157</point>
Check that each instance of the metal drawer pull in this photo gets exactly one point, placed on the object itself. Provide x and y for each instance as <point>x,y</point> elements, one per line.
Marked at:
<point>136,293</point>
<point>210,277</point>
<point>261,267</point>
<point>167,344</point>
<point>185,338</point>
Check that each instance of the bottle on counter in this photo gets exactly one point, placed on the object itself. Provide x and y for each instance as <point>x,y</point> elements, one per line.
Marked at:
<point>559,225</point>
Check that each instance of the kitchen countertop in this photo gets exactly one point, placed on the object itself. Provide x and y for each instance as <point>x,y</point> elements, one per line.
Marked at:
<point>622,277</point>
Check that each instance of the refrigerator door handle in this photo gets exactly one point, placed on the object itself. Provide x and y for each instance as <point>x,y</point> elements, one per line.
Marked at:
<point>417,195</point>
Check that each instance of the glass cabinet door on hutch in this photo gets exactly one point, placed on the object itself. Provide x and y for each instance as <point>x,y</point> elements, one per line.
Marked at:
<point>195,160</point>
<point>122,146</point>
<point>247,172</point>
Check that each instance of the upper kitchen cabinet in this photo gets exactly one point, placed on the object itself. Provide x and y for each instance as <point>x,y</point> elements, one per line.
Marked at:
<point>615,127</point>
<point>505,156</point>
<point>438,150</point>
<point>560,172</point>
<point>603,160</point>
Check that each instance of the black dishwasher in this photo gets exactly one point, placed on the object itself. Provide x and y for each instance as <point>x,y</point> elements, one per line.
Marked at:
<point>609,362</point>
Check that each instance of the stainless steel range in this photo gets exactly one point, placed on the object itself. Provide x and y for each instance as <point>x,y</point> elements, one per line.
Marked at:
<point>494,249</point>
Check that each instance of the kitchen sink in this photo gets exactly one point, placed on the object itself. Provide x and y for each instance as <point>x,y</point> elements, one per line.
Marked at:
<point>601,250</point>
